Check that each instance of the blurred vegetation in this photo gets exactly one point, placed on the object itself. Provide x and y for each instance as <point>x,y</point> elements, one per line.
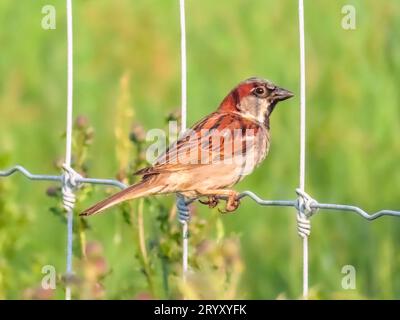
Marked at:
<point>127,80</point>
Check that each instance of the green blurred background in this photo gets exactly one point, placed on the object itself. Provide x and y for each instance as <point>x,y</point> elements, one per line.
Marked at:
<point>353,126</point>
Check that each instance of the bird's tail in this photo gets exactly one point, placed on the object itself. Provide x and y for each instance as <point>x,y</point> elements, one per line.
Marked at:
<point>141,189</point>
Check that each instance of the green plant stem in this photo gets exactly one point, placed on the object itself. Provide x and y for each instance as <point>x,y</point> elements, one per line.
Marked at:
<point>82,238</point>
<point>143,256</point>
<point>142,242</point>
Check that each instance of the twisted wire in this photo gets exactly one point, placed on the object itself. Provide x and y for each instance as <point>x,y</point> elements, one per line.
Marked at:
<point>183,209</point>
<point>69,185</point>
<point>306,206</point>
<point>183,218</point>
<point>70,182</point>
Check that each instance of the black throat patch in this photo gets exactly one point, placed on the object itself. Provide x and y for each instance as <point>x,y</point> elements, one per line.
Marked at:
<point>270,108</point>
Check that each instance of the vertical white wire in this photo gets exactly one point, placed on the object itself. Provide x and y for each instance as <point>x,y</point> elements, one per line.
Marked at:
<point>69,141</point>
<point>183,66</point>
<point>185,227</point>
<point>303,136</point>
<point>69,85</point>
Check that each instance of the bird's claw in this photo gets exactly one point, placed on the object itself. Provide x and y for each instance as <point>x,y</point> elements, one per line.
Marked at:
<point>232,203</point>
<point>212,201</point>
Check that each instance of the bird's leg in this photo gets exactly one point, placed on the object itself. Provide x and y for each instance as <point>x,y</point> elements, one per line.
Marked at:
<point>212,201</point>
<point>232,201</point>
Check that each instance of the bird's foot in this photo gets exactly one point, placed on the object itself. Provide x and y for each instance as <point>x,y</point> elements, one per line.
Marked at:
<point>212,201</point>
<point>232,203</point>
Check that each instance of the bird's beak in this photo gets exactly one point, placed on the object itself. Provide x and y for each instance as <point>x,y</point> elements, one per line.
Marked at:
<point>280,94</point>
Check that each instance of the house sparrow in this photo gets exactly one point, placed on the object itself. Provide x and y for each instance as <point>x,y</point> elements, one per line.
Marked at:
<point>215,154</point>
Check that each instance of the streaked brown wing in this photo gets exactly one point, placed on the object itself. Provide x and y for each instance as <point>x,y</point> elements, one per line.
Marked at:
<point>216,137</point>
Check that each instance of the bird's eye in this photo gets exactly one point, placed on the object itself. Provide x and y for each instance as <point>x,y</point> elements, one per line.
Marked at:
<point>259,91</point>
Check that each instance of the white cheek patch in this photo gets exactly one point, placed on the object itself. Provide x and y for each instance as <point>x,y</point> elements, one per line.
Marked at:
<point>254,108</point>
<point>263,111</point>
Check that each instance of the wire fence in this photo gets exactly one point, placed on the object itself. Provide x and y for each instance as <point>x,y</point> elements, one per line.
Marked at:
<point>302,219</point>
<point>184,213</point>
<point>304,204</point>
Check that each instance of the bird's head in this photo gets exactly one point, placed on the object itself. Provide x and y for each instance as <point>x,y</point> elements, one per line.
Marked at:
<point>254,98</point>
